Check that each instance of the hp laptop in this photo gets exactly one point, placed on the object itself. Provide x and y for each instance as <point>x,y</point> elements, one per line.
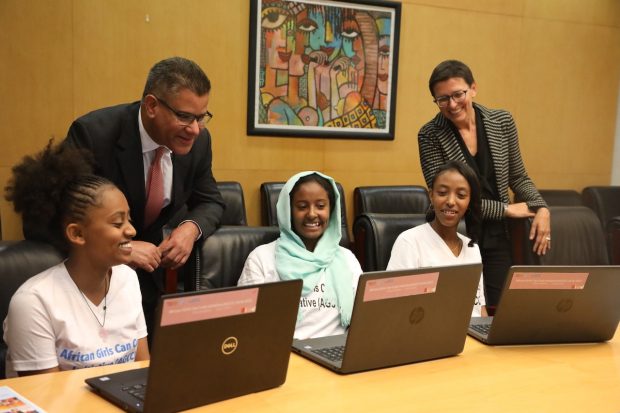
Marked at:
<point>210,346</point>
<point>401,317</point>
<point>554,304</point>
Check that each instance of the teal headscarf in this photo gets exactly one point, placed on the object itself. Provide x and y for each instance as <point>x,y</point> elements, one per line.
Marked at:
<point>294,261</point>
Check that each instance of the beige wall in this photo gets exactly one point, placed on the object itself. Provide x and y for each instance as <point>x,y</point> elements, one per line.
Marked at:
<point>555,64</point>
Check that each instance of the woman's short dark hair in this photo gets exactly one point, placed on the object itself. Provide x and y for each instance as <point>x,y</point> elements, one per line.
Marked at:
<point>473,215</point>
<point>53,188</point>
<point>447,70</point>
<point>314,177</point>
<point>171,75</point>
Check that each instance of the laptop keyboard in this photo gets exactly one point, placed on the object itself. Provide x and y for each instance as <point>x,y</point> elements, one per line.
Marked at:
<point>481,328</point>
<point>330,353</point>
<point>137,390</point>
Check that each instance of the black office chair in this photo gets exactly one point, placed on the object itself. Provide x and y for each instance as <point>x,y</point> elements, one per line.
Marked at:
<point>395,199</point>
<point>375,234</point>
<point>603,200</point>
<point>561,197</point>
<point>223,254</point>
<point>613,240</point>
<point>234,214</point>
<point>269,193</point>
<point>20,260</point>
<point>577,239</point>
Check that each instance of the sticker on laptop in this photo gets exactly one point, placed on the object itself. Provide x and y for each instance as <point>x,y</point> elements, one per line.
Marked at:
<point>548,281</point>
<point>208,306</point>
<point>403,286</point>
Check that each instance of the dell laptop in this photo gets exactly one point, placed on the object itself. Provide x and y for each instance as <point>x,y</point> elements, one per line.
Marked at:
<point>554,304</point>
<point>209,346</point>
<point>401,317</point>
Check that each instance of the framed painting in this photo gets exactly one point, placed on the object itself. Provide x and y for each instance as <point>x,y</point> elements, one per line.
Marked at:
<point>324,69</point>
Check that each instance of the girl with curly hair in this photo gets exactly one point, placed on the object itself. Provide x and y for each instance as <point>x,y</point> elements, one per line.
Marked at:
<point>85,311</point>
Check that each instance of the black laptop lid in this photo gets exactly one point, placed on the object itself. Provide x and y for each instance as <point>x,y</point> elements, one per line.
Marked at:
<point>402,323</point>
<point>557,304</point>
<point>206,349</point>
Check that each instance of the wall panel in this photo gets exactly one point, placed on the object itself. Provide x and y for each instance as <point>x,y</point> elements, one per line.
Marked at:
<point>567,109</point>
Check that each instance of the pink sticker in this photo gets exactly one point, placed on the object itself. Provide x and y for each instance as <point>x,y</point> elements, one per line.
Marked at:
<point>548,281</point>
<point>207,306</point>
<point>406,285</point>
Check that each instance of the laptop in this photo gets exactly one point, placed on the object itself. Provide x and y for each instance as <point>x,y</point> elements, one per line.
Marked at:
<point>401,317</point>
<point>209,346</point>
<point>554,304</point>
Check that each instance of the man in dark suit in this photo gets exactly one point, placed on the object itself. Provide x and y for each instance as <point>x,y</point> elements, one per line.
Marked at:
<point>165,130</point>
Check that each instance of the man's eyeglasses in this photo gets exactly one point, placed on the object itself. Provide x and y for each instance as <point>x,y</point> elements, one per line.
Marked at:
<point>457,97</point>
<point>186,119</point>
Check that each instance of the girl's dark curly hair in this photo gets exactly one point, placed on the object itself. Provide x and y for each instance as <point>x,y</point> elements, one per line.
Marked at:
<point>53,188</point>
<point>473,216</point>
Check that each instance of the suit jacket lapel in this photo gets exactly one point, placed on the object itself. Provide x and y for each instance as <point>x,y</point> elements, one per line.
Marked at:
<point>447,139</point>
<point>180,167</point>
<point>498,153</point>
<point>129,158</point>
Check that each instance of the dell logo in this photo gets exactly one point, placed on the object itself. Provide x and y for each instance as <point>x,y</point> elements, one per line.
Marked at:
<point>229,345</point>
<point>417,315</point>
<point>564,305</point>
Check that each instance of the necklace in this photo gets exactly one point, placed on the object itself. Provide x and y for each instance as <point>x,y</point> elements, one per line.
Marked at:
<point>102,332</point>
<point>456,248</point>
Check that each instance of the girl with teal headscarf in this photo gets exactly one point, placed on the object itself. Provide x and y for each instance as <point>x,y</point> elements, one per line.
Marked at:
<point>308,248</point>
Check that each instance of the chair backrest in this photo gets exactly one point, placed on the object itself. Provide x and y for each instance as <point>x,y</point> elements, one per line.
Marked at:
<point>603,200</point>
<point>269,193</point>
<point>234,214</point>
<point>223,254</point>
<point>396,199</point>
<point>374,236</point>
<point>561,197</point>
<point>20,260</point>
<point>577,239</point>
<point>613,240</point>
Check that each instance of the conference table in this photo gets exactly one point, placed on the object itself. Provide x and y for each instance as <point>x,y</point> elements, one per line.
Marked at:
<point>544,378</point>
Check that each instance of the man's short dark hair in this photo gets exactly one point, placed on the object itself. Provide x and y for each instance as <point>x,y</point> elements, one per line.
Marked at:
<point>171,75</point>
<point>449,69</point>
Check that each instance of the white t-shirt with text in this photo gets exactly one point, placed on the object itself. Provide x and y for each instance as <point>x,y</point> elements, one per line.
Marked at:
<point>318,317</point>
<point>421,247</point>
<point>49,323</point>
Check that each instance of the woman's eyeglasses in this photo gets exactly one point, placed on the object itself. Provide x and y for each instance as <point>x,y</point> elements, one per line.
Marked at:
<point>457,97</point>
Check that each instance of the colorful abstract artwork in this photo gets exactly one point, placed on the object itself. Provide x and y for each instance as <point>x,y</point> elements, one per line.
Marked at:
<point>323,68</point>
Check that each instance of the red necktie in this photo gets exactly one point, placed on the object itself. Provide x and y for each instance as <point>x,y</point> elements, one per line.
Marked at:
<point>155,189</point>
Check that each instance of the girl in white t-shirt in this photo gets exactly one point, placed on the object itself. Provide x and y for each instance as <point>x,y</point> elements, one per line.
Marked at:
<point>454,194</point>
<point>87,310</point>
<point>308,249</point>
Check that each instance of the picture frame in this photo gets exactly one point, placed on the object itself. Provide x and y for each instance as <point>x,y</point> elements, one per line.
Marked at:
<point>323,68</point>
